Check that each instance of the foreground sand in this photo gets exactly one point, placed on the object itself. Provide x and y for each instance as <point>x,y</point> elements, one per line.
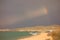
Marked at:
<point>41,36</point>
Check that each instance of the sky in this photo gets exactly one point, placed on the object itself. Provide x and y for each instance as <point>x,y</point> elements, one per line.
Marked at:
<point>18,13</point>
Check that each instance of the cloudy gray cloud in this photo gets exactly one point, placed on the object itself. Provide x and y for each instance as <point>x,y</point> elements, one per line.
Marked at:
<point>8,20</point>
<point>13,11</point>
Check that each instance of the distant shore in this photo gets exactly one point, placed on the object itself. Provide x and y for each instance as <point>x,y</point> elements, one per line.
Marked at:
<point>35,28</point>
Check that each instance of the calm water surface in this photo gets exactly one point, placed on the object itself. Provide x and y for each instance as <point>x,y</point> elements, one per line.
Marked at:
<point>13,35</point>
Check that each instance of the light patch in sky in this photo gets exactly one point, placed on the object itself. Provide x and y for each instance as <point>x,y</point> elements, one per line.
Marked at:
<point>37,12</point>
<point>28,15</point>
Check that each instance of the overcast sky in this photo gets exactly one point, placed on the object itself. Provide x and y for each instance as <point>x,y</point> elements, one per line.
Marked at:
<point>29,12</point>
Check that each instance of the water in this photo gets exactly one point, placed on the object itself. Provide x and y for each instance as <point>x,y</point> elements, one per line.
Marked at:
<point>13,35</point>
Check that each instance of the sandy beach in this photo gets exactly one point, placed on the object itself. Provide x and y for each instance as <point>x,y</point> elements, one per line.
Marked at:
<point>41,36</point>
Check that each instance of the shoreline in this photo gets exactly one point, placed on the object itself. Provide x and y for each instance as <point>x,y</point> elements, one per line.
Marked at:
<point>41,36</point>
